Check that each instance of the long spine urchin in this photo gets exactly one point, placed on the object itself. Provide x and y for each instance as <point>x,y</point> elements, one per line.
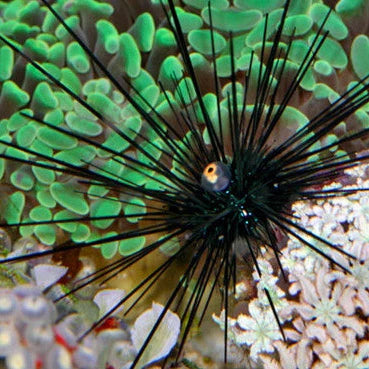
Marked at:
<point>220,183</point>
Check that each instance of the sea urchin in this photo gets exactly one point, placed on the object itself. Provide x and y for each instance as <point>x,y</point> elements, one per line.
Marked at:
<point>220,181</point>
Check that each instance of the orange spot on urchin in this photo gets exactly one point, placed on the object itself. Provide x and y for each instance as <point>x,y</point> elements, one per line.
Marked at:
<point>215,177</point>
<point>210,173</point>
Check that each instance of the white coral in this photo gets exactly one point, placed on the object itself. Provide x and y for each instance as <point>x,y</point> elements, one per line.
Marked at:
<point>323,300</point>
<point>258,330</point>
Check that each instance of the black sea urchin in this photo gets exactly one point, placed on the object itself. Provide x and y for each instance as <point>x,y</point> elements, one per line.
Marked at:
<point>211,172</point>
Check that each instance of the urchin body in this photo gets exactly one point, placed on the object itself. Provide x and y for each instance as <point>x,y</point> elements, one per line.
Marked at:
<point>235,200</point>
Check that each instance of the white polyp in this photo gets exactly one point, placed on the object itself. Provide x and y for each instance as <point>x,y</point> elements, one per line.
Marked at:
<point>9,339</point>
<point>35,310</point>
<point>85,358</point>
<point>59,358</point>
<point>121,352</point>
<point>8,305</point>
<point>20,359</point>
<point>46,275</point>
<point>26,290</point>
<point>39,338</point>
<point>71,328</point>
<point>111,335</point>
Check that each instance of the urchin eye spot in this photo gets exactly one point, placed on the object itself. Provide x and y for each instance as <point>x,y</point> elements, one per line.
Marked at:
<point>215,177</point>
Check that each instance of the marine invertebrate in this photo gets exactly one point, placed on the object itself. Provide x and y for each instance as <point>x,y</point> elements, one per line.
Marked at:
<point>37,333</point>
<point>325,310</point>
<point>34,335</point>
<point>129,144</point>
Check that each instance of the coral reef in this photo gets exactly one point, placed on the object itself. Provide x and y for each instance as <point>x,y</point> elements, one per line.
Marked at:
<point>35,333</point>
<point>324,310</point>
<point>145,54</point>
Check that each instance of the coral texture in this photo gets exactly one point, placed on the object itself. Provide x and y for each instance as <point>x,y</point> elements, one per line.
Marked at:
<point>324,309</point>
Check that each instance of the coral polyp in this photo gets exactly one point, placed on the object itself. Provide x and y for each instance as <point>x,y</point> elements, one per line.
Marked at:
<point>178,138</point>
